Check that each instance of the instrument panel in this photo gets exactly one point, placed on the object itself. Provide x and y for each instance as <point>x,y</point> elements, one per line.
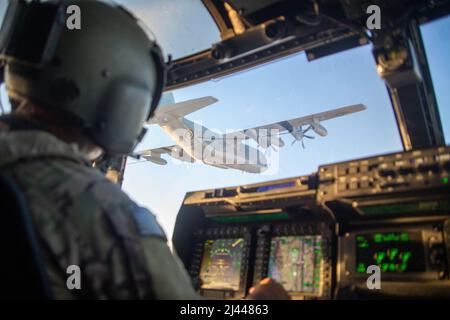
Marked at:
<point>320,241</point>
<point>220,262</point>
<point>228,260</point>
<point>296,255</point>
<point>406,252</point>
<point>409,257</point>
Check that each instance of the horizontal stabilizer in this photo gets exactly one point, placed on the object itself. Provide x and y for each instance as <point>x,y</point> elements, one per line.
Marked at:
<point>182,109</point>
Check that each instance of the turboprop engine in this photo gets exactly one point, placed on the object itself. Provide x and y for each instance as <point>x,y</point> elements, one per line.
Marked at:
<point>319,129</point>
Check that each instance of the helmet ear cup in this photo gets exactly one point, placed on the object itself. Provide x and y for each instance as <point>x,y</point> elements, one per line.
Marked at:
<point>121,116</point>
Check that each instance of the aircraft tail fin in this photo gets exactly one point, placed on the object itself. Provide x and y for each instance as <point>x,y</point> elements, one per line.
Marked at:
<point>182,109</point>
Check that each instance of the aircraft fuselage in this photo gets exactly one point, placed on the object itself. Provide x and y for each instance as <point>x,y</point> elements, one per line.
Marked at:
<point>212,148</point>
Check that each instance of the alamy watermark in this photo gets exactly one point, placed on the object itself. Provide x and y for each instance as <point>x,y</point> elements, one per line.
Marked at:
<point>373,22</point>
<point>73,21</point>
<point>74,277</point>
<point>252,150</point>
<point>374,280</point>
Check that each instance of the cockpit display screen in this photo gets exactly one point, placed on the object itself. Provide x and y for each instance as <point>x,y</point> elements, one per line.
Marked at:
<point>296,262</point>
<point>221,264</point>
<point>391,251</point>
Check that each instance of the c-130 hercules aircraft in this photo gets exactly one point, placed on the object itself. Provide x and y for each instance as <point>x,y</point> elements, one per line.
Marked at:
<point>197,143</point>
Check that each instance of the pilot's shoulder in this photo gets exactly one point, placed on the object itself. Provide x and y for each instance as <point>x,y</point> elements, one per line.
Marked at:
<point>123,212</point>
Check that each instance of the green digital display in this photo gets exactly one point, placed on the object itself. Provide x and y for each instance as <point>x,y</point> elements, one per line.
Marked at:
<point>393,252</point>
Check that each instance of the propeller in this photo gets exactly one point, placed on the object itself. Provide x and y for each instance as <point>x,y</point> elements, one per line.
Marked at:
<point>300,135</point>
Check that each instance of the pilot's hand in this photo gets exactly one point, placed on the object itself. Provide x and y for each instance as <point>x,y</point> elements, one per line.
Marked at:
<point>268,289</point>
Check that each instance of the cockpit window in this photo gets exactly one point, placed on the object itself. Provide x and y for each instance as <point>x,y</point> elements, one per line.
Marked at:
<point>5,106</point>
<point>284,89</point>
<point>181,27</point>
<point>437,47</point>
<point>3,6</point>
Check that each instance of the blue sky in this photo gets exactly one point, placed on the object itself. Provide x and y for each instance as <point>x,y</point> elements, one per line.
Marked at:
<point>436,37</point>
<point>285,89</point>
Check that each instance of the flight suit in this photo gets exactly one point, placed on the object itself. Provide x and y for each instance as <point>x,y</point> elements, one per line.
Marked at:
<point>83,219</point>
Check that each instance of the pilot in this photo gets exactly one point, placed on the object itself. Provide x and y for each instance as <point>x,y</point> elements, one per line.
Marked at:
<point>88,93</point>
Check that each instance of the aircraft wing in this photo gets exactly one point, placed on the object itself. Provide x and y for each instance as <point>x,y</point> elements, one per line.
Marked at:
<point>175,151</point>
<point>289,125</point>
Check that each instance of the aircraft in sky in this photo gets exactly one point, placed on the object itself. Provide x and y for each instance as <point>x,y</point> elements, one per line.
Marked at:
<point>196,143</point>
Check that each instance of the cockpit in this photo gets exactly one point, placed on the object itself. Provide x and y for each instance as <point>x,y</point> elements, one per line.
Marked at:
<point>338,112</point>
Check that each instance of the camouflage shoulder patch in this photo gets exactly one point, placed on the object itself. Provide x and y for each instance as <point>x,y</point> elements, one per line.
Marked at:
<point>146,222</point>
